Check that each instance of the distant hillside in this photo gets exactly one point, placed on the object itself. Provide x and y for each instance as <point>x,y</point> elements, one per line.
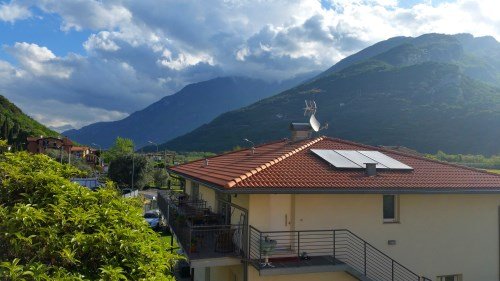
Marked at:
<point>423,95</point>
<point>180,113</point>
<point>15,126</point>
<point>478,57</point>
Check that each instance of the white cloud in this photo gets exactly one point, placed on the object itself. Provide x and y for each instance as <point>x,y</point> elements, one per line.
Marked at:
<point>11,12</point>
<point>39,61</point>
<point>183,60</point>
<point>87,14</point>
<point>142,50</point>
<point>101,41</point>
<point>55,114</point>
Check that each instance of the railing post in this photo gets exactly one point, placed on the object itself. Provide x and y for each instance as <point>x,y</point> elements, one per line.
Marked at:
<point>189,240</point>
<point>171,244</point>
<point>298,243</point>
<point>392,270</point>
<point>364,256</point>
<point>260,250</point>
<point>334,246</point>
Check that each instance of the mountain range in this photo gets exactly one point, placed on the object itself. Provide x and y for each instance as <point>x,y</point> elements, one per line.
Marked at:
<point>433,92</point>
<point>184,111</point>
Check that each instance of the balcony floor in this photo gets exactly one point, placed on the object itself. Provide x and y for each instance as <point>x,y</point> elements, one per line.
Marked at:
<point>284,266</point>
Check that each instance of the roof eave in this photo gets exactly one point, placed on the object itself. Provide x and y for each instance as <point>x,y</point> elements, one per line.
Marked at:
<point>358,190</point>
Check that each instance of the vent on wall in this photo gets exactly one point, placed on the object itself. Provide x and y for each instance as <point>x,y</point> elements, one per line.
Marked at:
<point>357,159</point>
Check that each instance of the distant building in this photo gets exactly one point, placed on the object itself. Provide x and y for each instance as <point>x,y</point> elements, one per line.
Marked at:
<point>80,151</point>
<point>90,183</point>
<point>41,144</point>
<point>90,155</point>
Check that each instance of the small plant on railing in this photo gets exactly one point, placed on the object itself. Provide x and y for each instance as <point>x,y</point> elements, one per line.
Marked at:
<point>304,256</point>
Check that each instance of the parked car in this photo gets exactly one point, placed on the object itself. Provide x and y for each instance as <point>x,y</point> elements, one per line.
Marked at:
<point>153,218</point>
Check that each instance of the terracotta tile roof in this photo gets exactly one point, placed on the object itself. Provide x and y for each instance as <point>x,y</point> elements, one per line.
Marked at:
<point>79,148</point>
<point>284,165</point>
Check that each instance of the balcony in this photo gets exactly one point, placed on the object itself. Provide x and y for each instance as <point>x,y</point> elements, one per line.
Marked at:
<point>202,233</point>
<point>295,252</point>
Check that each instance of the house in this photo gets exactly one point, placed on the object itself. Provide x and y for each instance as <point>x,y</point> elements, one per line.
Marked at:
<point>41,144</point>
<point>329,209</point>
<point>90,155</point>
<point>80,151</point>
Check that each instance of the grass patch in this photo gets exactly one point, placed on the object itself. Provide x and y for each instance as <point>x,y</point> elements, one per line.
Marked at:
<point>166,239</point>
<point>495,171</point>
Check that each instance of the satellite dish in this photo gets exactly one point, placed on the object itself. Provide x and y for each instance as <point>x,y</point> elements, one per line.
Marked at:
<point>314,123</point>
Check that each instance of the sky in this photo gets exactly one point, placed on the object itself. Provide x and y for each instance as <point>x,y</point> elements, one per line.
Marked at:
<point>75,62</point>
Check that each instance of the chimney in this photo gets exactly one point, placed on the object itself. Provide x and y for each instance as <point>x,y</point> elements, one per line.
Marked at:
<point>300,131</point>
<point>371,169</point>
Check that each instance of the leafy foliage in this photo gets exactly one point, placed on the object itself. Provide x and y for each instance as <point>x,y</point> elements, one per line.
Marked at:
<point>160,178</point>
<point>186,156</point>
<point>61,155</point>
<point>122,167</point>
<point>121,146</point>
<point>15,126</point>
<point>52,229</point>
<point>477,161</point>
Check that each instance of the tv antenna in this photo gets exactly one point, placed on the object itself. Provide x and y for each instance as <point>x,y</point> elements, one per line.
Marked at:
<point>253,145</point>
<point>310,110</point>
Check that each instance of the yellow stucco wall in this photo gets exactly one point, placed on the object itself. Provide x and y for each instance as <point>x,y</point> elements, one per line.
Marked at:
<point>253,275</point>
<point>188,187</point>
<point>437,234</point>
<point>208,195</point>
<point>219,273</point>
<point>241,200</point>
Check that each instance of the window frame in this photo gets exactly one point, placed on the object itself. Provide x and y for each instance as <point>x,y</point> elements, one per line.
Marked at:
<point>395,219</point>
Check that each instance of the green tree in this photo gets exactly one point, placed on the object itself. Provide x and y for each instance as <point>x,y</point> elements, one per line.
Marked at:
<point>160,177</point>
<point>4,146</point>
<point>121,147</point>
<point>52,229</point>
<point>79,163</point>
<point>122,166</point>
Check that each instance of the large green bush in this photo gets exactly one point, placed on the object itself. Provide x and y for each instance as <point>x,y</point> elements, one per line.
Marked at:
<point>52,229</point>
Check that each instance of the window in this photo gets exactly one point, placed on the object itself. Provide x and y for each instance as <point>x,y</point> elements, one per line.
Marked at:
<point>454,277</point>
<point>390,208</point>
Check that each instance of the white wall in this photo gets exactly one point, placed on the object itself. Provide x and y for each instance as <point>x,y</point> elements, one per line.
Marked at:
<point>437,234</point>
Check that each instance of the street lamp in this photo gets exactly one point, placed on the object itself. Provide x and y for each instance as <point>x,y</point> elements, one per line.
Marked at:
<point>133,165</point>
<point>152,142</point>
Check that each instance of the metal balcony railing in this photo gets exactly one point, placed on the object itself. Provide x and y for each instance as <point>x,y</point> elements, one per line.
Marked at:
<point>200,232</point>
<point>271,249</point>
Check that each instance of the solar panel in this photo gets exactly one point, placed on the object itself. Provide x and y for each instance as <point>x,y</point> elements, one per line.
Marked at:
<point>387,161</point>
<point>357,159</point>
<point>360,159</point>
<point>335,159</point>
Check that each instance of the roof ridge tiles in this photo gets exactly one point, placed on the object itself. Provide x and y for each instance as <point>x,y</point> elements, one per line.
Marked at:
<point>272,162</point>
